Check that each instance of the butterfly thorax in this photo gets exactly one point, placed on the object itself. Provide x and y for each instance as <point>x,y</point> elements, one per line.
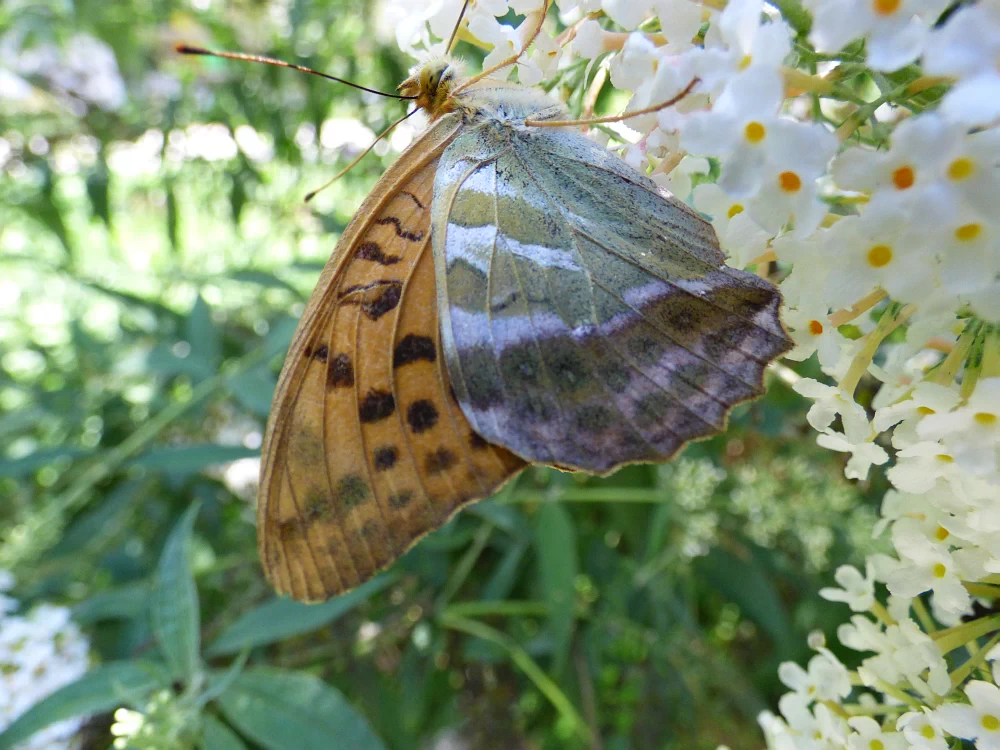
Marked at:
<point>438,89</point>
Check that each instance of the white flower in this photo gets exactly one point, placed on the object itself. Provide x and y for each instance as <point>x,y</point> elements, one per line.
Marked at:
<point>870,735</point>
<point>504,39</point>
<point>589,39</point>
<point>966,250</point>
<point>881,248</point>
<point>972,433</point>
<point>739,236</point>
<point>826,679</point>
<point>967,47</point>
<point>736,40</point>
<point>812,331</point>
<point>626,13</point>
<point>864,453</point>
<point>818,728</point>
<point>919,467</point>
<point>925,399</point>
<point>830,402</point>
<point>896,31</point>
<point>926,567</point>
<point>922,730</point>
<point>857,591</point>
<point>979,721</point>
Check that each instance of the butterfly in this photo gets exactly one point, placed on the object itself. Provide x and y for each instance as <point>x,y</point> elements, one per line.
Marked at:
<point>509,293</point>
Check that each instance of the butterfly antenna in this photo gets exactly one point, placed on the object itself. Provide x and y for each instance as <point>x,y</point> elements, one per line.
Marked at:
<point>362,155</point>
<point>458,24</point>
<point>186,49</point>
<point>615,118</point>
<point>513,58</point>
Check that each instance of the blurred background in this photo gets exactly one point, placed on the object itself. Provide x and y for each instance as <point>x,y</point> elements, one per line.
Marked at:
<point>155,252</point>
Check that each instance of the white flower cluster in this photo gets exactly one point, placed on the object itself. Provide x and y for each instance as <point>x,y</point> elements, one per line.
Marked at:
<point>40,652</point>
<point>882,198</point>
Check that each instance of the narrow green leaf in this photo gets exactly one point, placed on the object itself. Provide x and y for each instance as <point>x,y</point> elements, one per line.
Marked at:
<point>175,600</point>
<point>254,389</point>
<point>202,334</point>
<point>282,710</point>
<point>217,736</point>
<point>26,465</point>
<point>748,585</point>
<point>185,459</point>
<point>284,618</point>
<point>102,689</point>
<point>555,540</point>
<point>124,603</point>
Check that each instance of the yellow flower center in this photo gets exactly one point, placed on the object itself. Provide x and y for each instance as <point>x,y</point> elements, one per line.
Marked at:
<point>879,256</point>
<point>941,534</point>
<point>736,208</point>
<point>939,570</point>
<point>927,731</point>
<point>985,418</point>
<point>886,7</point>
<point>990,723</point>
<point>815,327</point>
<point>924,410</point>
<point>903,178</point>
<point>876,745</point>
<point>961,168</point>
<point>968,232</point>
<point>755,132</point>
<point>745,62</point>
<point>790,182</point>
<point>945,458</point>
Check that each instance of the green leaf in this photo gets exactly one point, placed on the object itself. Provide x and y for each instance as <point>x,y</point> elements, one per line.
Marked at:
<point>282,710</point>
<point>261,278</point>
<point>185,459</point>
<point>26,465</point>
<point>202,334</point>
<point>124,603</point>
<point>217,736</point>
<point>284,618</point>
<point>254,389</point>
<point>748,585</point>
<point>95,527</point>
<point>175,600</point>
<point>555,540</point>
<point>102,689</point>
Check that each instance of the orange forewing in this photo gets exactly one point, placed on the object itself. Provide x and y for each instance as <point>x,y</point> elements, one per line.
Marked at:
<point>366,450</point>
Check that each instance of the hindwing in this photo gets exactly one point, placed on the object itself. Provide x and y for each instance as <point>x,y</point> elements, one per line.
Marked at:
<point>588,318</point>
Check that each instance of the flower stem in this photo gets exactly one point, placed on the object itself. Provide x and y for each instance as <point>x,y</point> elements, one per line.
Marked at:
<point>945,372</point>
<point>951,638</point>
<point>891,319</point>
<point>860,307</point>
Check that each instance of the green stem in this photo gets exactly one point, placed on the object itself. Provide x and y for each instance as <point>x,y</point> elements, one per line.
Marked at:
<point>891,318</point>
<point>945,373</point>
<point>951,638</point>
<point>465,565</point>
<point>499,609</point>
<point>524,662</point>
<point>960,675</point>
<point>592,495</point>
<point>982,589</point>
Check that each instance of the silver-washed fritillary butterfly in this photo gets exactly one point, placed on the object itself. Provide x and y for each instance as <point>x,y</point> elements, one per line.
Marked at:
<point>507,294</point>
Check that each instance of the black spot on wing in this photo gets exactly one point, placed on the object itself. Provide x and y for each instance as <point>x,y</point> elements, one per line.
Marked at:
<point>339,371</point>
<point>376,406</point>
<point>413,348</point>
<point>320,353</point>
<point>439,461</point>
<point>385,457</point>
<point>477,441</point>
<point>422,415</point>
<point>412,197</point>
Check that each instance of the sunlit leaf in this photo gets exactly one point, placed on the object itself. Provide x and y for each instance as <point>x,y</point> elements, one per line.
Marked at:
<point>175,600</point>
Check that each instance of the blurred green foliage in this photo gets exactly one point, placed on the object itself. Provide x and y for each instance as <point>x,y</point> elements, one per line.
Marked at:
<point>155,251</point>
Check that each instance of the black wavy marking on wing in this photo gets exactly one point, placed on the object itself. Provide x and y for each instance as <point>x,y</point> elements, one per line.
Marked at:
<point>672,338</point>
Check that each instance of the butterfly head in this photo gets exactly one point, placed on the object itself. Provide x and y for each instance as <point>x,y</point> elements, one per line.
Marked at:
<point>431,83</point>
